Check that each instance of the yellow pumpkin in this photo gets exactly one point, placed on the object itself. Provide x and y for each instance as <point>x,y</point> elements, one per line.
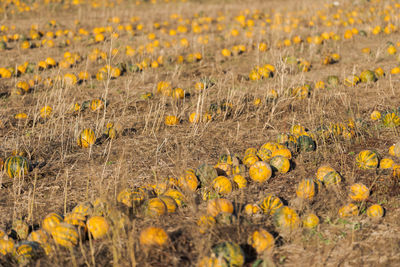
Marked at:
<point>176,195</point>
<point>367,160</point>
<point>285,152</point>
<point>375,211</point>
<point>358,192</point>
<point>98,226</point>
<point>212,262</point>
<point>386,163</point>
<point>6,246</point>
<point>375,115</point>
<point>287,218</point>
<point>310,220</point>
<point>298,130</point>
<point>205,222</point>
<point>220,205</point>
<point>348,210</point>
<point>270,204</point>
<point>261,240</point>
<point>260,172</point>
<point>223,168</point>
<point>51,221</point>
<point>170,203</point>
<point>45,112</point>
<point>222,185</point>
<point>86,138</point>
<point>250,151</point>
<point>328,175</point>
<point>189,181</point>
<point>96,104</point>
<point>153,236</point>
<point>84,208</point>
<point>171,120</point>
<point>42,238</point>
<point>250,159</point>
<point>266,150</point>
<point>125,197</point>
<point>306,189</point>
<point>76,219</point>
<point>251,209</point>
<point>240,181</point>
<point>65,235</point>
<point>155,207</point>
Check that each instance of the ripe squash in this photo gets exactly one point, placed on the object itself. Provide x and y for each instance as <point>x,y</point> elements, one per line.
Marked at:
<point>251,209</point>
<point>170,203</point>
<point>261,240</point>
<point>386,164</point>
<point>266,150</point>
<point>260,172</point>
<point>270,204</point>
<point>206,173</point>
<point>285,152</point>
<point>86,138</point>
<point>153,236</point>
<point>98,226</point>
<point>391,119</point>
<point>42,238</point>
<point>375,211</point>
<point>367,160</point>
<point>250,159</point>
<point>155,207</point>
<point>306,189</point>
<point>368,76</point>
<point>222,185</point>
<point>76,219</point>
<point>16,166</point>
<point>240,181</point>
<point>65,235</point>
<point>231,252</point>
<point>6,246</point>
<point>310,221</point>
<point>359,192</point>
<point>287,218</point>
<point>328,175</point>
<point>205,223</point>
<point>219,205</point>
<point>51,221</point>
<point>280,164</point>
<point>348,210</point>
<point>212,262</point>
<point>176,195</point>
<point>125,197</point>
<point>189,181</point>
<point>84,208</point>
<point>27,251</point>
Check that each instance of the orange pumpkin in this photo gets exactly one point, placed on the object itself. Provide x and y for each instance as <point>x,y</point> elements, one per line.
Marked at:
<point>153,236</point>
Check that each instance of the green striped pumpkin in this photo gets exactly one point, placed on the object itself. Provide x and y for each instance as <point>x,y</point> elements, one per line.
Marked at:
<point>367,160</point>
<point>231,252</point>
<point>27,251</point>
<point>270,204</point>
<point>280,164</point>
<point>16,166</point>
<point>332,178</point>
<point>65,235</point>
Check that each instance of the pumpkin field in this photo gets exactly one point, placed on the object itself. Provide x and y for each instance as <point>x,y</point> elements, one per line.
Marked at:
<point>199,133</point>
